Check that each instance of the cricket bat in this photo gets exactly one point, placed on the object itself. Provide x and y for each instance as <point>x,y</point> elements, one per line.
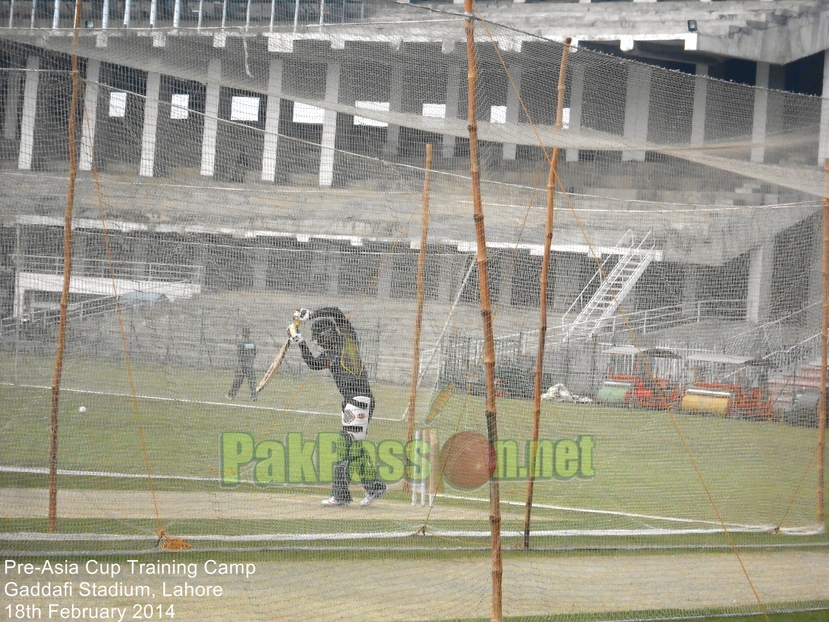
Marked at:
<point>277,361</point>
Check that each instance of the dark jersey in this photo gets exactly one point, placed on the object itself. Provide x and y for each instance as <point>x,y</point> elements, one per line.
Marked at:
<point>343,358</point>
<point>246,351</point>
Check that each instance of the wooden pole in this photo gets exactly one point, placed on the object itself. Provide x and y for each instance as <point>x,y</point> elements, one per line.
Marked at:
<point>421,275</point>
<point>486,311</point>
<point>824,334</point>
<point>67,276</point>
<point>545,275</point>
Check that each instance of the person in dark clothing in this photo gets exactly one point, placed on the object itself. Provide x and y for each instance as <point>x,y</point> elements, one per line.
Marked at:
<point>245,354</point>
<point>332,331</point>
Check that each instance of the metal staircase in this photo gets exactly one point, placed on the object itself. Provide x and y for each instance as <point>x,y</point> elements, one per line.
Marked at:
<point>614,287</point>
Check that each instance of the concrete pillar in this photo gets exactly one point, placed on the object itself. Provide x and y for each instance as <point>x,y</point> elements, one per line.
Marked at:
<point>768,77</point>
<point>148,135</point>
<point>12,106</point>
<point>384,279</point>
<point>690,287</point>
<point>27,121</point>
<point>453,85</point>
<point>200,259</point>
<point>777,82</point>
<point>90,114</point>
<point>576,99</point>
<point>815,291</point>
<point>272,121</point>
<point>700,97</point>
<point>506,282</point>
<point>80,250</point>
<point>761,104</point>
<point>453,269</point>
<point>569,280</point>
<point>395,105</point>
<point>19,307</point>
<point>329,125</point>
<point>211,117</point>
<point>139,250</point>
<point>260,268</point>
<point>637,103</point>
<point>758,297</point>
<point>443,281</point>
<point>513,108</point>
<point>823,144</point>
<point>333,265</point>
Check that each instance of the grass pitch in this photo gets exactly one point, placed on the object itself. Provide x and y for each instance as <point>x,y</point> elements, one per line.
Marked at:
<point>653,469</point>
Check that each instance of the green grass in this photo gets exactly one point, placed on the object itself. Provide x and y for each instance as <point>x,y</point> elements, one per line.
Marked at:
<point>650,466</point>
<point>806,616</point>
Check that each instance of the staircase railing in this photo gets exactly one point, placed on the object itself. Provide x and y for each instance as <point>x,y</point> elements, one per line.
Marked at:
<point>591,286</point>
<point>613,288</point>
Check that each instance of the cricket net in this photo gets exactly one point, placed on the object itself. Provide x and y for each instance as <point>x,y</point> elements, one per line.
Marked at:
<point>228,175</point>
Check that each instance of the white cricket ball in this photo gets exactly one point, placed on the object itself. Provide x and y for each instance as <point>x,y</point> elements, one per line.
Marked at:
<point>82,409</point>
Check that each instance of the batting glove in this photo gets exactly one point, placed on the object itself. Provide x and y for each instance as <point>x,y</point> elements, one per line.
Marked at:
<point>294,335</point>
<point>302,315</point>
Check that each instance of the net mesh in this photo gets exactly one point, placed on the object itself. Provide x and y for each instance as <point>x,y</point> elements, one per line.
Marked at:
<point>234,167</point>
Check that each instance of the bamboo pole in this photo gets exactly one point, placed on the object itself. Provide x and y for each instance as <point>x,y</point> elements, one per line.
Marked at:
<point>67,276</point>
<point>545,275</point>
<point>824,334</point>
<point>421,272</point>
<point>486,311</point>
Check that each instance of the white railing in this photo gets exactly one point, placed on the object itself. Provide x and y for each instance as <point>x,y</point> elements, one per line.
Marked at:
<point>640,322</point>
<point>146,271</point>
<point>612,288</point>
<point>181,14</point>
<point>583,297</point>
<point>650,320</point>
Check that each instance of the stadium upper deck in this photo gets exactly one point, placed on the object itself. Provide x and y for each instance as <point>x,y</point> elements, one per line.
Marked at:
<point>292,54</point>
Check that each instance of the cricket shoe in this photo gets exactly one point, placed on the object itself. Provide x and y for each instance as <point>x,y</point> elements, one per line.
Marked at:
<point>372,497</point>
<point>333,502</point>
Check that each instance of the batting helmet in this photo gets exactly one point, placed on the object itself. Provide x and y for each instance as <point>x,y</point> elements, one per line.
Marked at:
<point>324,332</point>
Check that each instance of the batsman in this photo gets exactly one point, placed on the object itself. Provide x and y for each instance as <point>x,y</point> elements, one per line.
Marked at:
<point>335,335</point>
